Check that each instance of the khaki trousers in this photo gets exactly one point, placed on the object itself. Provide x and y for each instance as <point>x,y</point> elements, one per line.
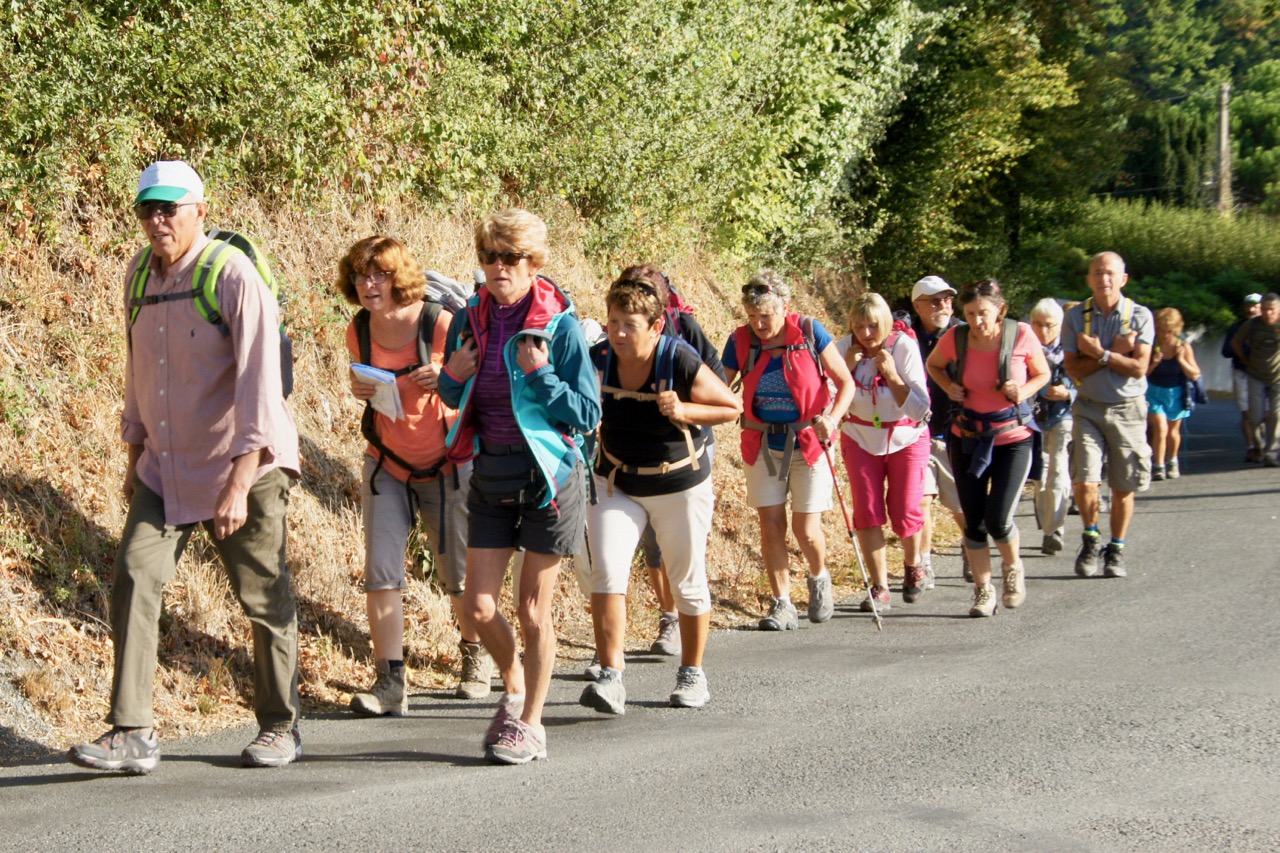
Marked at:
<point>254,557</point>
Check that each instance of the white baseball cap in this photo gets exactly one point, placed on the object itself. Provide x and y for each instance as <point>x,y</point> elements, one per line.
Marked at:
<point>931,285</point>
<point>1253,299</point>
<point>169,180</point>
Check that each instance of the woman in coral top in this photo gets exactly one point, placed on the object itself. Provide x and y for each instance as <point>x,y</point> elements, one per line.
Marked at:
<point>991,441</point>
<point>405,471</point>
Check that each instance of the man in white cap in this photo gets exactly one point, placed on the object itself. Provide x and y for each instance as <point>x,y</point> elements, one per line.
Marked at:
<point>1252,307</point>
<point>931,299</point>
<point>211,443</point>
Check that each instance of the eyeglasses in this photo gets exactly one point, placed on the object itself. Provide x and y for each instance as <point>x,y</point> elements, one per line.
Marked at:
<point>378,277</point>
<point>936,301</point>
<point>168,209</point>
<point>509,259</point>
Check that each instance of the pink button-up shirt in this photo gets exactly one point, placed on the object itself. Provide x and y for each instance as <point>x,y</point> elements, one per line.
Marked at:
<point>196,400</point>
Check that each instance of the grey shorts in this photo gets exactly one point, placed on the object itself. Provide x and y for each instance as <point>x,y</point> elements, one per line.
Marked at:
<point>1116,432</point>
<point>555,529</point>
<point>938,479</point>
<point>388,519</point>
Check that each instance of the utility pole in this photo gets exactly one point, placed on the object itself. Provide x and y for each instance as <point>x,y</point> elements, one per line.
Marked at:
<point>1225,204</point>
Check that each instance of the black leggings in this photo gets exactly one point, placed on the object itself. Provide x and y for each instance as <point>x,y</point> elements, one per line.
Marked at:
<point>988,502</point>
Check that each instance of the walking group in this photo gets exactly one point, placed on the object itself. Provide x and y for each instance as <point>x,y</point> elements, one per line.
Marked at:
<point>511,435</point>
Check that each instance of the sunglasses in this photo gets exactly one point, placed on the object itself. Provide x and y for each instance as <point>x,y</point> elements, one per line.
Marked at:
<point>378,277</point>
<point>509,259</point>
<point>168,209</point>
<point>643,286</point>
<point>936,301</point>
<point>756,289</point>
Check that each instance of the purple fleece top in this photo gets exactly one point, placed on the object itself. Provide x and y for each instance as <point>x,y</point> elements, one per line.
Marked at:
<point>492,394</point>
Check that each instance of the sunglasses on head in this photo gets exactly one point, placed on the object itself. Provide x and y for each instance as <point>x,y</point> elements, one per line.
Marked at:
<point>639,284</point>
<point>168,209</point>
<point>509,259</point>
<point>756,289</point>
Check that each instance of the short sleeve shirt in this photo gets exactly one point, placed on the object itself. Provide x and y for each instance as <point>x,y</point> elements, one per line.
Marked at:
<point>982,376</point>
<point>1107,386</point>
<point>773,403</point>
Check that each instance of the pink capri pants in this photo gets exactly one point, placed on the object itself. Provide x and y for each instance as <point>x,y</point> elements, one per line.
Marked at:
<point>903,471</point>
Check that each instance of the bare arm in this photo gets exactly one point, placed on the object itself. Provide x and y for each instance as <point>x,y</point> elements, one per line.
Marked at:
<point>828,424</point>
<point>712,404</point>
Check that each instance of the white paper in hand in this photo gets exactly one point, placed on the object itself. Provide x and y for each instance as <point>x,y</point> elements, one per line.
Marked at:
<point>386,396</point>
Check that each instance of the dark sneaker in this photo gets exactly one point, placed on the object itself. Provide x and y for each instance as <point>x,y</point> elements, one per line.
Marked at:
<point>821,605</point>
<point>984,601</point>
<point>782,617</point>
<point>509,708</point>
<point>128,751</point>
<point>1087,558</point>
<point>607,694</point>
<point>881,595</point>
<point>964,565</point>
<point>477,672</point>
<point>519,743</point>
<point>1113,562</point>
<point>387,697</point>
<point>668,642</point>
<point>1052,543</point>
<point>273,749</point>
<point>913,583</point>
<point>1157,473</point>
<point>1253,455</point>
<point>691,688</point>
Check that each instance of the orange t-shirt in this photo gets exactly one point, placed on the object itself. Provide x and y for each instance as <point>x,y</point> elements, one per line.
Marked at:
<point>419,438</point>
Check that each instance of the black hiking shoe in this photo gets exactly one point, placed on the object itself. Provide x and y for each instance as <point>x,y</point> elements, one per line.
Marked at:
<point>1087,559</point>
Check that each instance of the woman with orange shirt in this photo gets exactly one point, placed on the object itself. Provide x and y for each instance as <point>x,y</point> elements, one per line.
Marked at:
<point>405,469</point>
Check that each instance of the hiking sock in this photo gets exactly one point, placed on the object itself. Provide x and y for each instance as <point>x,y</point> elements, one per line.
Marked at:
<point>394,665</point>
<point>1118,544</point>
<point>1092,532</point>
<point>670,615</point>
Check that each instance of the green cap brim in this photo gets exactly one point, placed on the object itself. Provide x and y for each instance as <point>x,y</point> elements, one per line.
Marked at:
<point>161,194</point>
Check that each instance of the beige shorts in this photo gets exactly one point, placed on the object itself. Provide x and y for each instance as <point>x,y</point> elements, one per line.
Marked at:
<point>388,520</point>
<point>1116,432</point>
<point>810,487</point>
<point>938,479</point>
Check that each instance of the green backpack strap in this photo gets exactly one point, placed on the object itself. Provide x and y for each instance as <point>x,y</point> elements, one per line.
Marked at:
<point>204,286</point>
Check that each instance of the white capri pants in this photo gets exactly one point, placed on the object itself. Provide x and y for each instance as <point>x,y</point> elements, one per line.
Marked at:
<point>682,522</point>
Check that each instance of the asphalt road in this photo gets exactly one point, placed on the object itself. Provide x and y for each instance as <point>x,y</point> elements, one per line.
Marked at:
<point>1136,714</point>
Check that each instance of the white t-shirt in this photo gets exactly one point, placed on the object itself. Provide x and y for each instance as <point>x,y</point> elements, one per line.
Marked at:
<point>871,399</point>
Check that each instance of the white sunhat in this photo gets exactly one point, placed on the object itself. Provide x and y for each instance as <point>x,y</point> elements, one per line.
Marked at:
<point>931,285</point>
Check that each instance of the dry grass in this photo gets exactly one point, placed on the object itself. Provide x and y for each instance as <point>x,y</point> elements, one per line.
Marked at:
<point>61,337</point>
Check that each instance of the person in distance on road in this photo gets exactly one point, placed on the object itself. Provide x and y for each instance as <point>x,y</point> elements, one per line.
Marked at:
<point>1252,306</point>
<point>1257,343</point>
<point>785,360</point>
<point>1173,362</point>
<point>1053,415</point>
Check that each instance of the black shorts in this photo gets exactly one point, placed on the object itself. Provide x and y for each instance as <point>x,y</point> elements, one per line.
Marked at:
<point>554,529</point>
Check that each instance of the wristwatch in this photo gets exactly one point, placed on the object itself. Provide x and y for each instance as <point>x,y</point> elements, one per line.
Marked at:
<point>1105,357</point>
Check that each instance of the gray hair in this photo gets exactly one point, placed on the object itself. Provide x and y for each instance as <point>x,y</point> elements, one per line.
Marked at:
<point>767,291</point>
<point>1048,309</point>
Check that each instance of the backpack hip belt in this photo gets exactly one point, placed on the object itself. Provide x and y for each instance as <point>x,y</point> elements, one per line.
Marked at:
<point>791,430</point>
<point>652,470</point>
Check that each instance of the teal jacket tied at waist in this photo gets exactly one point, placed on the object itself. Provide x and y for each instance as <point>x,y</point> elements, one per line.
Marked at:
<point>554,406</point>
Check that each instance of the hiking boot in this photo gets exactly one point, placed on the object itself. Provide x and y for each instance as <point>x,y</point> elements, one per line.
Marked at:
<point>1015,586</point>
<point>913,583</point>
<point>691,688</point>
<point>964,565</point>
<point>387,697</point>
<point>1087,559</point>
<point>1157,473</point>
<point>1171,470</point>
<point>592,672</point>
<point>126,750</point>
<point>984,601</point>
<point>880,594</point>
<point>519,743</point>
<point>668,641</point>
<point>1113,561</point>
<point>607,694</point>
<point>477,672</point>
<point>821,605</point>
<point>509,708</point>
<point>782,617</point>
<point>1052,543</point>
<point>273,749</point>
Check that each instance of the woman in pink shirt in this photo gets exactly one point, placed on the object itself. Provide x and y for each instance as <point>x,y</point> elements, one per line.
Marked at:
<point>991,445</point>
